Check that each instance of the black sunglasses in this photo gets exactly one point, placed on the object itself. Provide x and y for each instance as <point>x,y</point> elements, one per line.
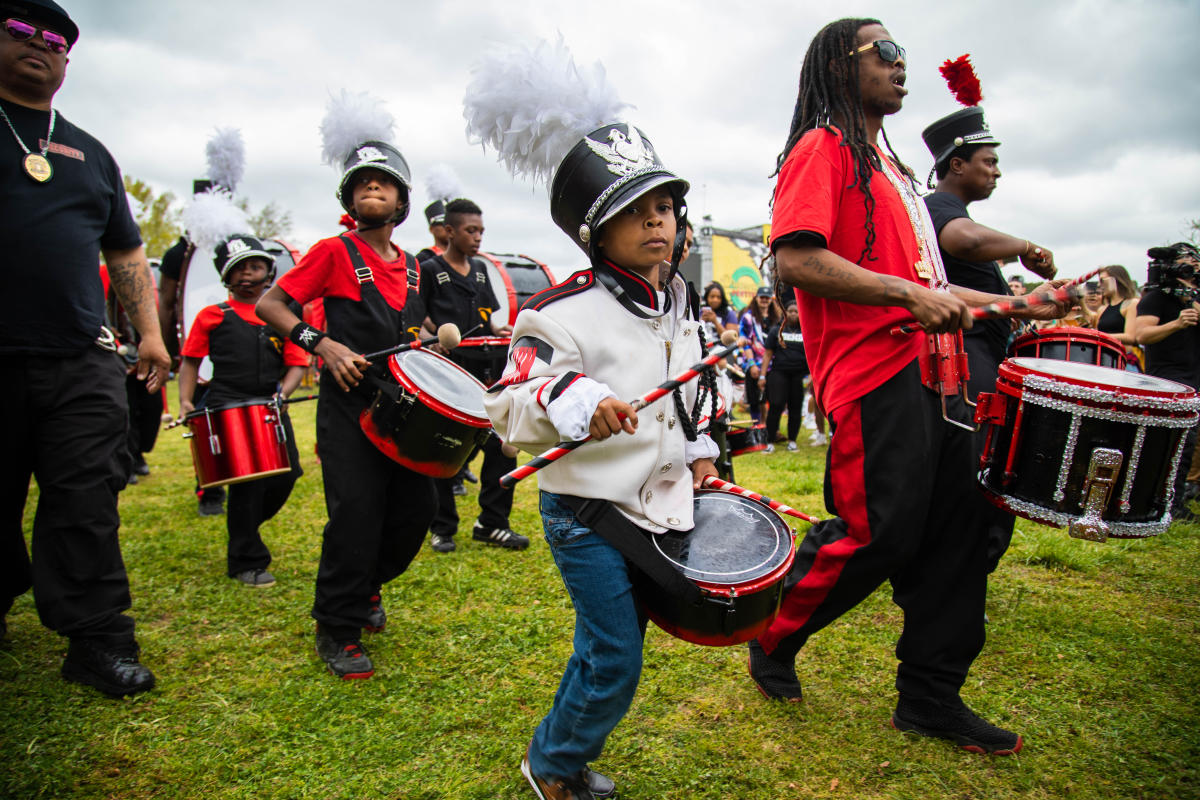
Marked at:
<point>22,31</point>
<point>889,51</point>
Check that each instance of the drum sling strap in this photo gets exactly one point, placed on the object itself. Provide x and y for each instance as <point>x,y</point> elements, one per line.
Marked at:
<point>363,274</point>
<point>633,543</point>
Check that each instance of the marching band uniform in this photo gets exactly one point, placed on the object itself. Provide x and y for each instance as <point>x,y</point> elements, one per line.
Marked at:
<point>559,369</point>
<point>248,361</point>
<point>378,510</point>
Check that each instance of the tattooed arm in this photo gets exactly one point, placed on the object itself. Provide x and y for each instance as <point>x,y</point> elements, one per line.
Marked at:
<point>130,276</point>
<point>823,273</point>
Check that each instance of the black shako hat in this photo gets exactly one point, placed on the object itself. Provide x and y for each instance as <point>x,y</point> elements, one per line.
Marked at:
<point>963,127</point>
<point>46,11</point>
<point>435,212</point>
<point>604,172</point>
<point>236,249</point>
<point>383,157</point>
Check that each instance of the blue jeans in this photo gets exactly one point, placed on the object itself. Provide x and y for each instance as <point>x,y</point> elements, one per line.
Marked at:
<point>602,674</point>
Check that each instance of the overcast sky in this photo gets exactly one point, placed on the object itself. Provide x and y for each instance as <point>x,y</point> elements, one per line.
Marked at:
<point>1097,103</point>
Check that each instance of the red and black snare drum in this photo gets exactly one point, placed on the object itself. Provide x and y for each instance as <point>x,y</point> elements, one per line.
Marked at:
<point>431,419</point>
<point>748,437</point>
<point>238,442</point>
<point>1067,343</point>
<point>1087,447</point>
<point>738,554</point>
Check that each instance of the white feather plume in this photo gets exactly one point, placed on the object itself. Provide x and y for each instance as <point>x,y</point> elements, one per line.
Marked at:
<point>442,182</point>
<point>352,118</point>
<point>226,154</point>
<point>211,216</point>
<point>532,104</point>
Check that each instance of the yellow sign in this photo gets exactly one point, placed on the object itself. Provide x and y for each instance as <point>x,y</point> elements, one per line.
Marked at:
<point>736,262</point>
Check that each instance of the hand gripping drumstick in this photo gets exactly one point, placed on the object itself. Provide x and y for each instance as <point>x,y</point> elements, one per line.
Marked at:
<point>711,482</point>
<point>448,337</point>
<point>729,339</point>
<point>1068,293</point>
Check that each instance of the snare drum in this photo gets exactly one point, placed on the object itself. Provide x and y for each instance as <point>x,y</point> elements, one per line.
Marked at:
<point>432,418</point>
<point>515,279</point>
<point>1091,448</point>
<point>748,438</point>
<point>738,554</point>
<point>1067,343</point>
<point>238,442</point>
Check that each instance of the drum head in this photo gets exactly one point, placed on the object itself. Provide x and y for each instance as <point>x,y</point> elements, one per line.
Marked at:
<point>441,379</point>
<point>735,540</point>
<point>1101,376</point>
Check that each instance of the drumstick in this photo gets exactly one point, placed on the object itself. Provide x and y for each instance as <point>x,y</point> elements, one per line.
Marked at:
<point>713,482</point>
<point>562,448</point>
<point>447,336</point>
<point>1005,308</point>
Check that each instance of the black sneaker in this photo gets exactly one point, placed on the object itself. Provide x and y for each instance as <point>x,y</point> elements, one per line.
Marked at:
<point>457,489</point>
<point>468,476</point>
<point>113,669</point>
<point>775,680</point>
<point>211,506</point>
<point>951,719</point>
<point>501,537</point>
<point>258,578</point>
<point>376,616</point>
<point>345,658</point>
<point>442,544</point>
<point>140,467</point>
<point>573,788</point>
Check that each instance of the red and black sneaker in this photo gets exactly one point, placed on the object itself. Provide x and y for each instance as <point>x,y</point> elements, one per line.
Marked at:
<point>345,658</point>
<point>376,616</point>
<point>775,680</point>
<point>951,719</point>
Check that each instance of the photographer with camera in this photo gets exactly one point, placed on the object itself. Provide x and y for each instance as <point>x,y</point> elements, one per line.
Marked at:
<point>1166,327</point>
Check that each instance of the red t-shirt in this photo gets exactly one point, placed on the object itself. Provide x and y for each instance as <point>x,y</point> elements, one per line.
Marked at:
<point>326,271</point>
<point>849,346</point>
<point>210,317</point>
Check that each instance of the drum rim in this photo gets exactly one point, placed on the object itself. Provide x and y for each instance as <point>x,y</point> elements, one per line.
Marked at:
<point>1016,372</point>
<point>427,398</point>
<point>784,540</point>
<point>252,401</point>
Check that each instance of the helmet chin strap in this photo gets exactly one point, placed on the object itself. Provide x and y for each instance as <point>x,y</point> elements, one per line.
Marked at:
<point>677,250</point>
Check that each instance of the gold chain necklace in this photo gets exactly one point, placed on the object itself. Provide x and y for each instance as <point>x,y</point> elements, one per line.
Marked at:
<point>36,165</point>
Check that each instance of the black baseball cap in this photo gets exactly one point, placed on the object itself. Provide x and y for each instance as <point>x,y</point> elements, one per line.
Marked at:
<point>46,11</point>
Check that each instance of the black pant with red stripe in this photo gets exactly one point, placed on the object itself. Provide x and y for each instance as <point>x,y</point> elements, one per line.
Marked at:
<point>900,481</point>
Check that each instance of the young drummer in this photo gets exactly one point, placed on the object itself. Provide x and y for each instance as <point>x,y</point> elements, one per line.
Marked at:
<point>378,510</point>
<point>614,198</point>
<point>249,361</point>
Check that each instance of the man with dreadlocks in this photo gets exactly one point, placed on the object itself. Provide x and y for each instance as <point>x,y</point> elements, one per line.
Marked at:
<point>850,233</point>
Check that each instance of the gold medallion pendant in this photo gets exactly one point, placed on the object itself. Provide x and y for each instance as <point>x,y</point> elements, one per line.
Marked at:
<point>37,166</point>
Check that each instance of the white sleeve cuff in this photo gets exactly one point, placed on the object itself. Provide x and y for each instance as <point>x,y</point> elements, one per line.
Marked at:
<point>570,409</point>
<point>703,447</point>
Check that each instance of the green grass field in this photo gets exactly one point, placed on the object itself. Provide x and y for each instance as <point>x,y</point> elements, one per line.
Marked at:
<point>1092,655</point>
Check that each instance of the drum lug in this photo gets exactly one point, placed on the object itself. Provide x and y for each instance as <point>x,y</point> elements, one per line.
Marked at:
<point>1101,478</point>
<point>188,435</point>
<point>729,604</point>
<point>214,444</point>
<point>991,408</point>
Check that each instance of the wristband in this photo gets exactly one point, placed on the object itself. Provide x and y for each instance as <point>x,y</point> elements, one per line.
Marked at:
<point>1028,246</point>
<point>307,337</point>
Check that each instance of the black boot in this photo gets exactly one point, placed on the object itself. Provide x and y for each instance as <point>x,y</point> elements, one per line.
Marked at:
<point>113,669</point>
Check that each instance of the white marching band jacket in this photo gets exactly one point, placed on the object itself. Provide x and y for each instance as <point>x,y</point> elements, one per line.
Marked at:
<point>572,346</point>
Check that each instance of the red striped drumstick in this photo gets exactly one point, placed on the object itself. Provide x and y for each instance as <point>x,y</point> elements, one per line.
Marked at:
<point>562,448</point>
<point>1068,293</point>
<point>712,482</point>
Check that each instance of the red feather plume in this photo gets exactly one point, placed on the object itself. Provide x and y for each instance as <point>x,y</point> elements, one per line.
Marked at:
<point>347,222</point>
<point>961,78</point>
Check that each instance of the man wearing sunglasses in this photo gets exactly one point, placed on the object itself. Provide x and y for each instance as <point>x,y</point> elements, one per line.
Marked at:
<point>851,234</point>
<point>63,205</point>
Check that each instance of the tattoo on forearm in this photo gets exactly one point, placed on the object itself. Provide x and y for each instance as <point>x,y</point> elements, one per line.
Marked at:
<point>131,281</point>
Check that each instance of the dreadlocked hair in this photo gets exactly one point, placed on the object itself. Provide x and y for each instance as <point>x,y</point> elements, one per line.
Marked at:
<point>690,422</point>
<point>828,97</point>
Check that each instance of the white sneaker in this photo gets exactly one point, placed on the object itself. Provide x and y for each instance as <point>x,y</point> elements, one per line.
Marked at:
<point>818,439</point>
<point>810,421</point>
<point>770,449</point>
<point>792,447</point>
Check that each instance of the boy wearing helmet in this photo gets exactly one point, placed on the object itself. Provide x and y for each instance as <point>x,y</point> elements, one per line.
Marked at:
<point>249,361</point>
<point>378,510</point>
